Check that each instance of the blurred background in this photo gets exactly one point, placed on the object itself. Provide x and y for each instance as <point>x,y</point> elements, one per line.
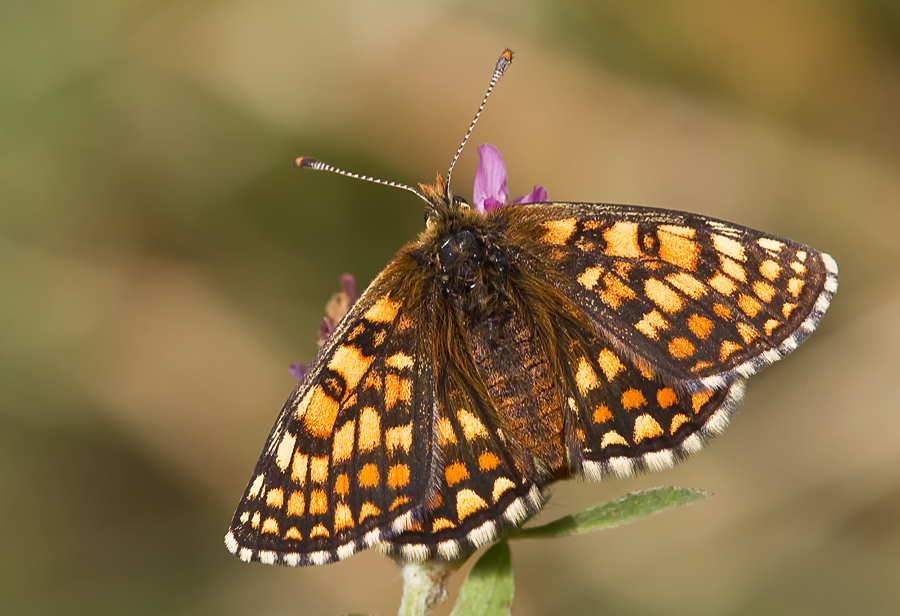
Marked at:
<point>162,263</point>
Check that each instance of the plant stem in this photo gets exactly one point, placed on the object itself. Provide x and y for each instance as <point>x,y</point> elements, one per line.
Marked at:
<point>424,586</point>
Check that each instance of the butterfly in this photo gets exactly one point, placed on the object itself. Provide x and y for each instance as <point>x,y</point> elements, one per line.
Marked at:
<point>513,346</point>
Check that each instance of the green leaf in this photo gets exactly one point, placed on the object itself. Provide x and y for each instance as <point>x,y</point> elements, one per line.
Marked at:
<point>488,589</point>
<point>614,513</point>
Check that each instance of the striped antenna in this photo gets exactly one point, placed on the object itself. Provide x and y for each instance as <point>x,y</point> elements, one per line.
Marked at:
<point>504,61</point>
<point>305,162</point>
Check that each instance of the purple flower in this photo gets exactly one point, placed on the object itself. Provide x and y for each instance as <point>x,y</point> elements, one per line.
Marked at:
<point>490,191</point>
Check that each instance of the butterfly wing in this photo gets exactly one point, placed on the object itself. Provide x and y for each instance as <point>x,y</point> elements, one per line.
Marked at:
<point>700,301</point>
<point>348,463</point>
<point>672,312</point>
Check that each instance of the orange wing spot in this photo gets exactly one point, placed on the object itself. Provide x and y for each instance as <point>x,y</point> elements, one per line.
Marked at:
<point>801,255</point>
<point>467,503</point>
<point>687,284</point>
<point>244,517</point>
<point>787,309</point>
<point>368,476</point>
<point>733,268</point>
<point>632,399</point>
<point>764,291</point>
<point>293,533</point>
<point>369,429</point>
<point>579,433</point>
<point>592,225</point>
<point>351,364</point>
<point>318,469</point>
<point>399,361</point>
<point>296,504</point>
<point>298,468</point>
<point>623,268</point>
<point>663,296</point>
<point>378,339</point>
<point>612,438</point>
<point>399,437</point>
<point>666,397</point>
<point>319,530</point>
<point>728,347</point>
<point>435,501</point>
<point>441,524</point>
<point>680,348</point>
<point>729,247</point>
<point>257,486</point>
<point>275,498</point>
<point>445,432</point>
<point>700,326</point>
<point>488,461</point>
<point>610,364</point>
<point>398,476</point>
<point>382,311</point>
<point>373,381</point>
<point>770,326</point>
<point>501,485</point>
<point>368,510</point>
<point>589,277</point>
<point>769,269</point>
<point>357,331</point>
<point>701,365</point>
<point>646,427</point>
<point>677,248</point>
<point>678,421</point>
<point>769,244</point>
<point>798,267</point>
<point>748,332</point>
<point>471,425</point>
<point>650,323</point>
<point>699,399</point>
<point>342,484</point>
<point>398,502</point>
<point>795,285</point>
<point>722,311</point>
<point>456,472</point>
<point>285,449</point>
<point>602,413</point>
<point>270,526</point>
<point>614,292</point>
<point>585,377</point>
<point>254,522</point>
<point>321,411</point>
<point>559,231</point>
<point>318,502</point>
<point>679,231</point>
<point>395,390</point>
<point>343,442</point>
<point>343,517</point>
<point>622,241</point>
<point>750,306</point>
<point>722,283</point>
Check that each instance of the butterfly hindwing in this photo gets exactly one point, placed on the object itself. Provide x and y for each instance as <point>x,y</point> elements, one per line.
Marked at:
<point>347,463</point>
<point>479,491</point>
<point>702,301</point>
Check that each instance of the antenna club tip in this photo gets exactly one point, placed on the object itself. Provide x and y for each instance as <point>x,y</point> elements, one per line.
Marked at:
<point>507,54</point>
<point>305,162</point>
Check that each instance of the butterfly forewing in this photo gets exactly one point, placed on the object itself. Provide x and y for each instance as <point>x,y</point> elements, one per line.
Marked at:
<point>699,301</point>
<point>348,462</point>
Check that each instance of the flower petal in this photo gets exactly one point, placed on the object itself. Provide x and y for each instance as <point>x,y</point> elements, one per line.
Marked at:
<point>490,189</point>
<point>538,195</point>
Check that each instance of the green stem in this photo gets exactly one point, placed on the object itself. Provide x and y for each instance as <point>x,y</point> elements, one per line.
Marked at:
<point>424,586</point>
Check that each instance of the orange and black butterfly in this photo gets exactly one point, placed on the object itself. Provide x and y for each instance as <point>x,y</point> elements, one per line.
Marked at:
<point>512,346</point>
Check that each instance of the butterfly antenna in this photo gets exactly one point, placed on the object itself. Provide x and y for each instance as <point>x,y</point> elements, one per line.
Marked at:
<point>504,61</point>
<point>305,162</point>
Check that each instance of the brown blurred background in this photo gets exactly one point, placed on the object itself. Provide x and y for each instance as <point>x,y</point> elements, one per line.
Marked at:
<point>161,264</point>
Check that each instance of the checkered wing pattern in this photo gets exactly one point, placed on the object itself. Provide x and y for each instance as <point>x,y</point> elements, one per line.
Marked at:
<point>348,462</point>
<point>682,308</point>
